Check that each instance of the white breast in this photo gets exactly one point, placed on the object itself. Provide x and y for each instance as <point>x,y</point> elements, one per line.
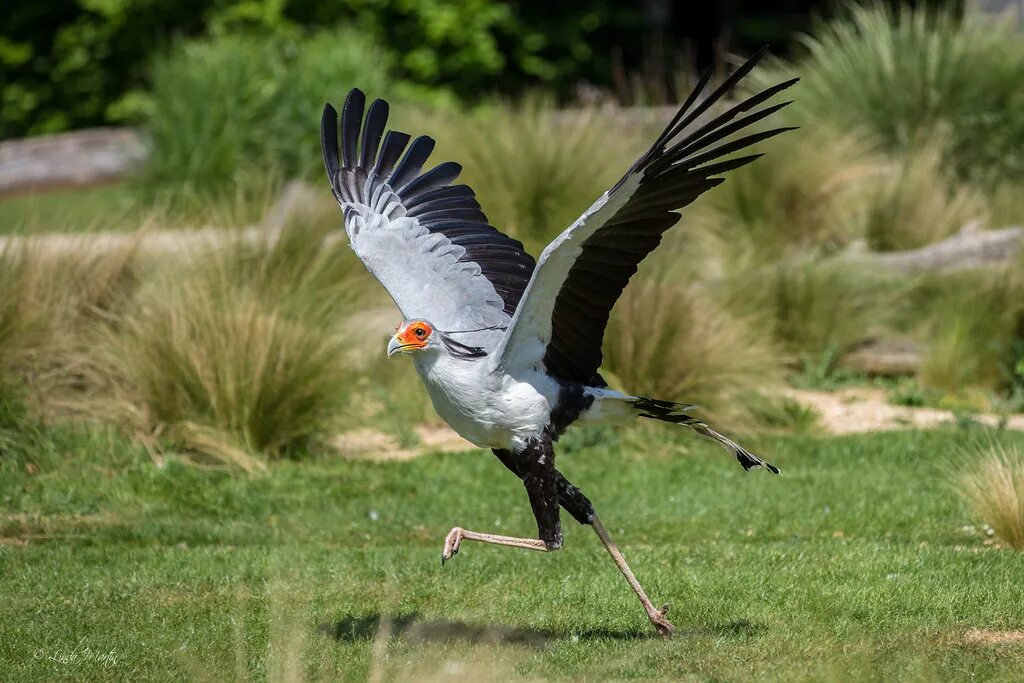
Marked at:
<point>489,409</point>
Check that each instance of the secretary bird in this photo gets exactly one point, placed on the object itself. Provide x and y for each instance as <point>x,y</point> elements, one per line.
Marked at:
<point>508,348</point>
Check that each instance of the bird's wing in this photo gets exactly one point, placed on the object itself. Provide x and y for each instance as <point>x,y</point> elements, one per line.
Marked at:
<point>425,239</point>
<point>561,318</point>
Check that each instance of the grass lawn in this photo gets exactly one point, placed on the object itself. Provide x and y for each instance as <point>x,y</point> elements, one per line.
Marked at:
<point>854,564</point>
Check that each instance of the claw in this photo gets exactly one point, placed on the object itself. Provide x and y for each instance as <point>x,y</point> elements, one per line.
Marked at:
<point>451,545</point>
<point>664,627</point>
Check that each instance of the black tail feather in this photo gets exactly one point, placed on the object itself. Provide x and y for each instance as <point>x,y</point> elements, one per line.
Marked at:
<point>677,413</point>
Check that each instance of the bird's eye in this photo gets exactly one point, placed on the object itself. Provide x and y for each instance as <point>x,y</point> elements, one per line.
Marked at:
<point>420,332</point>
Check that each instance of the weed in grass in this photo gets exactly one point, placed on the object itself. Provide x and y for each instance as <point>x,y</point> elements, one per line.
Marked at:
<point>909,392</point>
<point>785,415</point>
<point>992,485</point>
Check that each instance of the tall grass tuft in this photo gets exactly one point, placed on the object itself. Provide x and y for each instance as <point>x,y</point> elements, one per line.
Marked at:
<point>241,352</point>
<point>22,322</point>
<point>904,73</point>
<point>670,340</point>
<point>810,189</point>
<point>816,308</point>
<point>536,169</point>
<point>971,324</point>
<point>992,485</point>
<point>49,295</point>
<point>919,201</point>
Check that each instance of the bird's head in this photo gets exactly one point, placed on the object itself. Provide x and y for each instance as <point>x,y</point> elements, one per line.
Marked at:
<point>413,335</point>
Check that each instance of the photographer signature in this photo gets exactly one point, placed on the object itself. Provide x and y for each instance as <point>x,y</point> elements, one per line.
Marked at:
<point>81,654</point>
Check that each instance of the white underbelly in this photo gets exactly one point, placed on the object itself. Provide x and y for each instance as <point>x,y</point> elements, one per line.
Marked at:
<point>490,411</point>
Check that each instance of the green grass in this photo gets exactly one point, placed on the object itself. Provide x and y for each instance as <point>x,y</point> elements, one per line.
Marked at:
<point>112,207</point>
<point>131,205</point>
<point>853,564</point>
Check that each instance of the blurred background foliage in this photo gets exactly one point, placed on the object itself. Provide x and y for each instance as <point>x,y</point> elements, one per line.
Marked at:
<point>73,63</point>
<point>911,128</point>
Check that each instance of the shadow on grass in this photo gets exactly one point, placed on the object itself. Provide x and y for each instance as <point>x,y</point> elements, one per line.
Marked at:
<point>412,628</point>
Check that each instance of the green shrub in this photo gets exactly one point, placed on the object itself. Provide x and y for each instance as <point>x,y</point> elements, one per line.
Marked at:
<point>229,109</point>
<point>905,74</point>
<point>80,62</point>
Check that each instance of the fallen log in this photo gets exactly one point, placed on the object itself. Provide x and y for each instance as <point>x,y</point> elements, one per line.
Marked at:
<point>884,358</point>
<point>296,197</point>
<point>81,158</point>
<point>969,249</point>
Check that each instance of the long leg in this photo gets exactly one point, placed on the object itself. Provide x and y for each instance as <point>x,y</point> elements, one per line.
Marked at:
<point>536,463</point>
<point>657,617</point>
<point>457,535</point>
<point>580,507</point>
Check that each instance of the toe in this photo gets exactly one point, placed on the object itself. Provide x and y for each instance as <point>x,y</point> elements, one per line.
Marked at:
<point>665,629</point>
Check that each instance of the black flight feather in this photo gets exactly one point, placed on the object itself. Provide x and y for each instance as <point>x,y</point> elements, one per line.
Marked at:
<point>351,120</point>
<point>679,166</point>
<point>412,163</point>
<point>390,151</point>
<point>373,130</point>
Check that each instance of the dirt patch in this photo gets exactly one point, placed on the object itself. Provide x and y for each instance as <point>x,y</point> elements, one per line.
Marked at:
<point>370,444</point>
<point>858,410</point>
<point>983,636</point>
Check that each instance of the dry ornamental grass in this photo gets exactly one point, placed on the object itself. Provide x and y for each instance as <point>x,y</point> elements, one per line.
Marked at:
<point>993,488</point>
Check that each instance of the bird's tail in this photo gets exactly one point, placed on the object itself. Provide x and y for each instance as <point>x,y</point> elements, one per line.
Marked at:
<point>678,413</point>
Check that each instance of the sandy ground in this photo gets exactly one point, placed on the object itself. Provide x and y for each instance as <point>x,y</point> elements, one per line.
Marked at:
<point>856,410</point>
<point>846,411</point>
<point>372,444</point>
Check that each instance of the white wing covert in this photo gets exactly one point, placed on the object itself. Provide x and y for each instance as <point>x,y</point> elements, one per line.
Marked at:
<point>424,239</point>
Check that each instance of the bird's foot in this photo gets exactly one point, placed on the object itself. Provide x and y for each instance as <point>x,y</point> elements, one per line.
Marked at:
<point>451,544</point>
<point>661,624</point>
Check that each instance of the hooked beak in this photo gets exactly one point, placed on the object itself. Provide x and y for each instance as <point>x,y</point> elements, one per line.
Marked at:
<point>396,345</point>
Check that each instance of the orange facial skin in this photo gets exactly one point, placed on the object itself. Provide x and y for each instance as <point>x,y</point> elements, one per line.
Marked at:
<point>414,336</point>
